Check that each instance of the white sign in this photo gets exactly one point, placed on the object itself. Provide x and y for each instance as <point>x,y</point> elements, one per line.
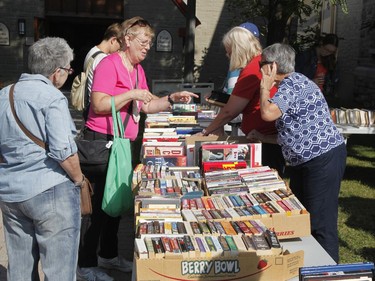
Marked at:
<point>4,35</point>
<point>164,41</point>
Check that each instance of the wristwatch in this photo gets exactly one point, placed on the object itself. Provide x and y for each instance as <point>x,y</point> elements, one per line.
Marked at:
<point>170,100</point>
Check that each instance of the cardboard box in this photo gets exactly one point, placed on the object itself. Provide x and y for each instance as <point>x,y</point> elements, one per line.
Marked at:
<point>289,226</point>
<point>246,267</point>
<point>163,149</point>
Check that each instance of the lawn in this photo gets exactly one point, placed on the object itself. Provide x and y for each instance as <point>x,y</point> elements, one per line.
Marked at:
<point>357,201</point>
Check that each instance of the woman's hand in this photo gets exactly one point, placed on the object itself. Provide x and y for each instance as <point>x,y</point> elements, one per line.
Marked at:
<point>183,97</point>
<point>268,76</point>
<point>142,95</point>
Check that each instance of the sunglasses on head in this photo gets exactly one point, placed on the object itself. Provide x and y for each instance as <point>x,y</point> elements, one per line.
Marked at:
<point>141,23</point>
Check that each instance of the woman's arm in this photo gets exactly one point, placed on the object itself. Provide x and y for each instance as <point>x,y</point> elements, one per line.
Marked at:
<point>72,167</point>
<point>159,104</point>
<point>101,102</point>
<point>231,110</point>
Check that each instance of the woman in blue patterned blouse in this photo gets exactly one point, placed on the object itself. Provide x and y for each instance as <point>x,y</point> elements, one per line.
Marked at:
<point>311,144</point>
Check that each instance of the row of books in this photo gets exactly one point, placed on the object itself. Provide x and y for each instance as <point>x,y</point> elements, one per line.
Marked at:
<point>192,246</point>
<point>168,119</point>
<point>353,116</point>
<point>286,206</point>
<point>239,200</point>
<point>256,179</point>
<point>209,227</point>
<point>157,171</point>
<point>170,186</point>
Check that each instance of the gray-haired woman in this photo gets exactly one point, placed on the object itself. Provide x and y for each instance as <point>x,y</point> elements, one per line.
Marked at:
<point>311,144</point>
<point>39,189</point>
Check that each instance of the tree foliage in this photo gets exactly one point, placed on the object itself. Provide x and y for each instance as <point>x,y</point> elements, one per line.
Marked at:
<point>279,19</point>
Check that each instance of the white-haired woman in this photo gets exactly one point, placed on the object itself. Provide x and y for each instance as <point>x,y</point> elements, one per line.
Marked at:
<point>311,144</point>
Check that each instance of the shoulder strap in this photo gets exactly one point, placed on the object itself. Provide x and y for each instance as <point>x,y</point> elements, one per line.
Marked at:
<point>130,107</point>
<point>128,114</point>
<point>91,60</point>
<point>23,128</point>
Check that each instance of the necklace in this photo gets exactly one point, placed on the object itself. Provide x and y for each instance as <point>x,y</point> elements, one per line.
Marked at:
<point>124,61</point>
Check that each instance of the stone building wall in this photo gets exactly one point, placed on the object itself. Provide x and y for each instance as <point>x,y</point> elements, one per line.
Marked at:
<point>364,85</point>
<point>357,54</point>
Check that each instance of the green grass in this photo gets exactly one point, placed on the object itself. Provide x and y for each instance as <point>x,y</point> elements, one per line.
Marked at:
<point>357,201</point>
<point>356,221</point>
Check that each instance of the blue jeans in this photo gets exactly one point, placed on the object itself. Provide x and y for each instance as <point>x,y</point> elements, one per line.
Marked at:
<point>46,228</point>
<point>316,184</point>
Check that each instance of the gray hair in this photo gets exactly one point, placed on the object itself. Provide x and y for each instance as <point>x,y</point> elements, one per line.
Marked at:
<point>48,54</point>
<point>283,55</point>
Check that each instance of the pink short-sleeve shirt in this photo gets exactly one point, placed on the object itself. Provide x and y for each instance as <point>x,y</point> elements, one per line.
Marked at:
<point>112,78</point>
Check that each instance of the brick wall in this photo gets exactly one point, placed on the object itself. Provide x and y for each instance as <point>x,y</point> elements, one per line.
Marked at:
<point>215,22</point>
<point>13,57</point>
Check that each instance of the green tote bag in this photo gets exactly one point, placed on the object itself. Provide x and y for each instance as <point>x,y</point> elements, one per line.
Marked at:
<point>118,195</point>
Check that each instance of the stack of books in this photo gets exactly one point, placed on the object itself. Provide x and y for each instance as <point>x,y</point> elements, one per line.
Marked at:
<point>163,180</point>
<point>256,179</point>
<point>362,271</point>
<point>353,116</point>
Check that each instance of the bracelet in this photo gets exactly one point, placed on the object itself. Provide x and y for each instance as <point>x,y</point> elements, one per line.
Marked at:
<point>170,100</point>
<point>204,132</point>
<point>79,184</point>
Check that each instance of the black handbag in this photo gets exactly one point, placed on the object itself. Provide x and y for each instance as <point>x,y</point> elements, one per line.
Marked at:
<point>94,152</point>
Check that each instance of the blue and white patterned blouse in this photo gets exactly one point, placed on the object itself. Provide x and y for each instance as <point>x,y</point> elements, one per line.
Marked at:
<point>305,128</point>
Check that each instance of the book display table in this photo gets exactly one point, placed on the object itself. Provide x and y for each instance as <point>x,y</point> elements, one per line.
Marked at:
<point>314,253</point>
<point>352,129</point>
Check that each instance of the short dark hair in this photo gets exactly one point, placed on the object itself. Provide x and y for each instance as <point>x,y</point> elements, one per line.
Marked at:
<point>330,38</point>
<point>114,30</point>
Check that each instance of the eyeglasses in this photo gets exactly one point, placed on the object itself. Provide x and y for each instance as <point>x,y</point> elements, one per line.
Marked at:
<point>263,63</point>
<point>70,71</point>
<point>144,43</point>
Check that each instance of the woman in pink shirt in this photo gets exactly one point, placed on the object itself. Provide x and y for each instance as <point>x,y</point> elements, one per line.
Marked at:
<point>119,75</point>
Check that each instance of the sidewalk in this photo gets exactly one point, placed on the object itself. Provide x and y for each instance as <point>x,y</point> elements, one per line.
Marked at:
<point>126,243</point>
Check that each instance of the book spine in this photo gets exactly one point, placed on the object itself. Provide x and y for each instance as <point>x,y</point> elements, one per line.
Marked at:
<point>232,245</point>
<point>166,244</point>
<point>219,227</point>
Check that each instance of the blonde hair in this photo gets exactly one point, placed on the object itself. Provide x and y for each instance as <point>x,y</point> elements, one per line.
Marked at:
<point>135,25</point>
<point>242,46</point>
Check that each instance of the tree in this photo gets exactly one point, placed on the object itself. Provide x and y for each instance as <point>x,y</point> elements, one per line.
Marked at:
<point>279,18</point>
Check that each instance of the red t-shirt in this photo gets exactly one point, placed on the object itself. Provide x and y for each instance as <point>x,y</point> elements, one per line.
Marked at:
<point>247,87</point>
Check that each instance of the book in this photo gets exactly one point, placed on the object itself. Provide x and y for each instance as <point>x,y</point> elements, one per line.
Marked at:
<point>261,245</point>
<point>150,247</point>
<point>140,248</point>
